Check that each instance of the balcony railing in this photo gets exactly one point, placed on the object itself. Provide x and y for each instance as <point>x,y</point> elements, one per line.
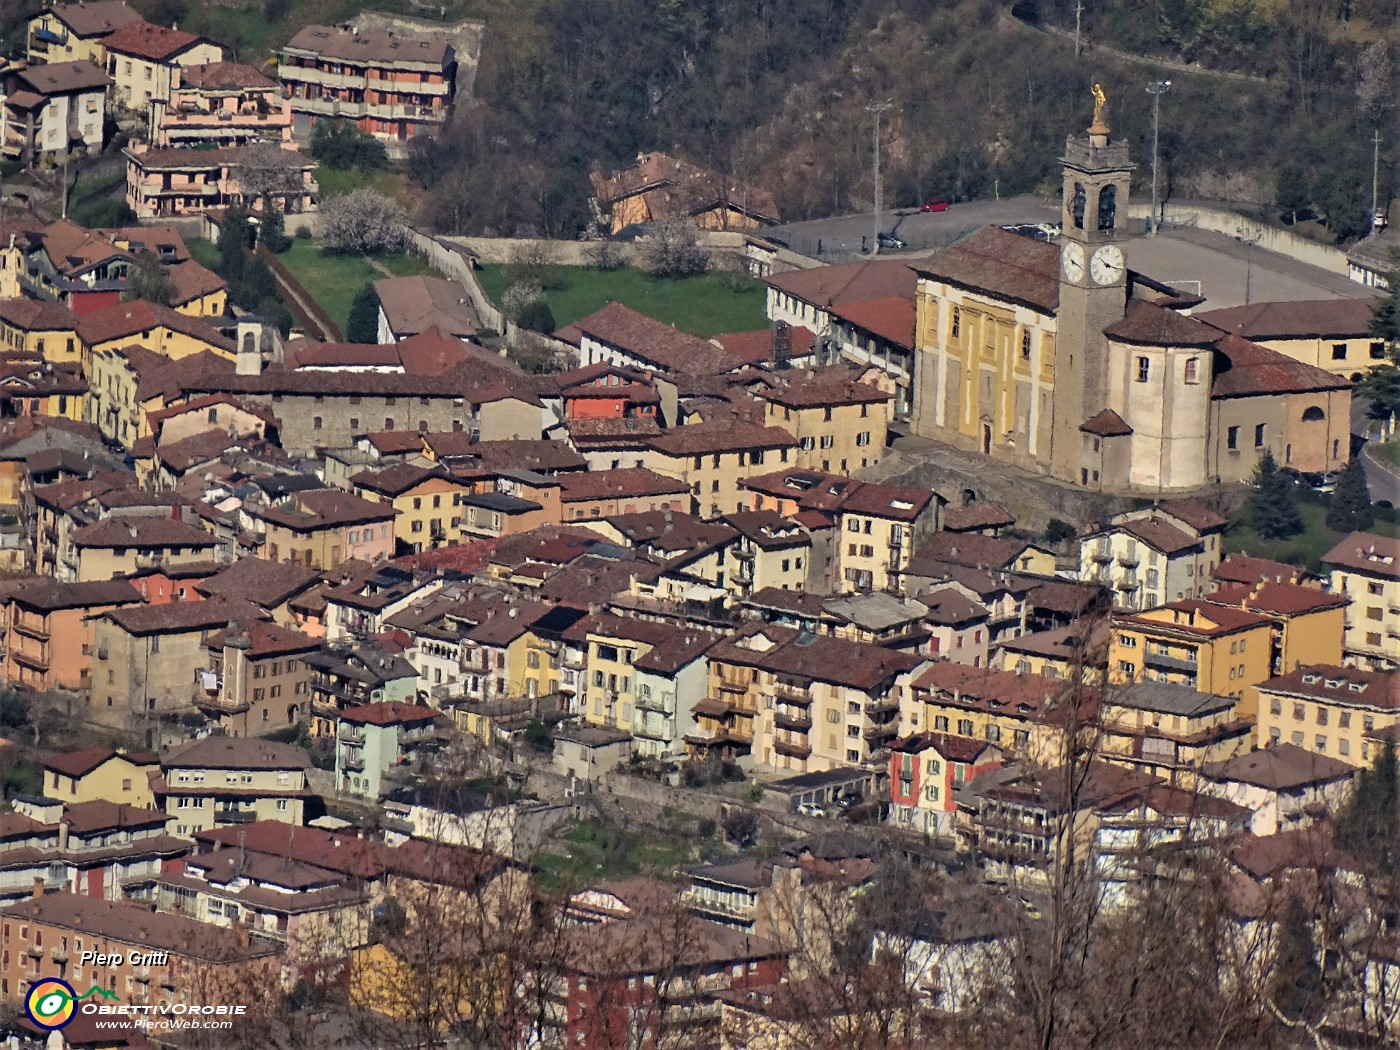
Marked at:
<point>235,816</point>
<point>1167,662</point>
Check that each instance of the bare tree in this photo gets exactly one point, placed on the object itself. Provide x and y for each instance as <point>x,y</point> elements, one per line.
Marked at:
<point>672,249</point>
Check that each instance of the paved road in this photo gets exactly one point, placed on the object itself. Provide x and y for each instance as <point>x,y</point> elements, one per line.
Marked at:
<point>840,238</point>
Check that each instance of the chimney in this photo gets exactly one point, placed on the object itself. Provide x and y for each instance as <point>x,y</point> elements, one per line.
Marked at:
<point>141,934</point>
<point>38,887</point>
<point>64,827</point>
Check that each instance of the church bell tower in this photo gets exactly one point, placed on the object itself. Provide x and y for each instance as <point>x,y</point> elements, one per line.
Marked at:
<point>1093,281</point>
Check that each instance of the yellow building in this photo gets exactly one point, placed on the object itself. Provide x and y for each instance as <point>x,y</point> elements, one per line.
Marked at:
<point>1210,648</point>
<point>713,457</point>
<point>1331,334</point>
<point>115,404</point>
<point>1081,647</point>
<point>12,267</point>
<point>31,386</point>
<point>37,326</point>
<point>839,424</point>
<point>142,59</point>
<point>101,774</point>
<point>987,347</point>
<point>75,32</point>
<point>159,329</point>
<point>1366,568</point>
<point>607,696</point>
<point>1309,624</point>
<point>427,501</point>
<point>1329,710</point>
<point>223,780</point>
<point>119,546</point>
<point>1171,731</point>
<point>1018,714</point>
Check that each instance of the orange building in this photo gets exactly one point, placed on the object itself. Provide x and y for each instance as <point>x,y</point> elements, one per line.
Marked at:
<point>48,638</point>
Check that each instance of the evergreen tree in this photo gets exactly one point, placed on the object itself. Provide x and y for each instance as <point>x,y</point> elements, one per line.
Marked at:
<point>1351,502</point>
<point>1385,319</point>
<point>1273,506</point>
<point>1291,191</point>
<point>1295,985</point>
<point>274,231</point>
<point>363,324</point>
<point>537,317</point>
<point>1381,385</point>
<point>232,243</point>
<point>1368,826</point>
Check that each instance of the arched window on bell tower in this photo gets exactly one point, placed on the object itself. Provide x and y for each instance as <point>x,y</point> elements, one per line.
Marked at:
<point>1108,207</point>
<point>1077,206</point>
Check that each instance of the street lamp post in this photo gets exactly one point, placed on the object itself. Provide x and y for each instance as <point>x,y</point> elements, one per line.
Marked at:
<point>878,109</point>
<point>1156,89</point>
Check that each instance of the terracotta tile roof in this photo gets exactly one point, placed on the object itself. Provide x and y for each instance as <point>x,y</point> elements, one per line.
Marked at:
<point>1242,568</point>
<point>546,457</point>
<point>416,304</point>
<point>1309,319</point>
<point>262,582</point>
<point>180,616</point>
<point>1366,552</point>
<point>1147,324</point>
<point>81,763</point>
<point>63,78</point>
<point>1280,768</point>
<point>717,437</point>
<point>891,318</point>
<point>657,344</point>
<point>73,249</point>
<point>1003,264</point>
<point>1250,370</point>
<point>953,748</point>
<point>388,713</point>
<point>152,42</point>
<point>225,76</point>
<point>857,282</point>
<point>334,851</point>
<point>123,320</point>
<point>824,658</point>
<point>1158,534</point>
<point>325,509</point>
<point>768,529</point>
<point>52,595</point>
<point>677,187</point>
<point>95,19</point>
<point>141,530</point>
<point>1107,423</point>
<point>37,315</point>
<point>1196,616</point>
<point>373,47</point>
<point>395,479</point>
<point>235,752</point>
<point>192,281</point>
<point>820,387</point>
<point>981,688</point>
<point>119,922</point>
<point>167,159</point>
<point>1287,599</point>
<point>1348,686</point>
<point>101,815</point>
<point>950,606</point>
<point>1200,517</point>
<point>757,347</point>
<point>621,483</point>
<point>262,638</point>
<point>975,516</point>
<point>968,548</point>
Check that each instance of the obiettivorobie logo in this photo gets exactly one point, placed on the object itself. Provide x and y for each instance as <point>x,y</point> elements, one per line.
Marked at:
<point>52,1003</point>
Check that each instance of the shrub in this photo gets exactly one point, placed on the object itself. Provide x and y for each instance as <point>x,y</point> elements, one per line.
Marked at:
<point>606,256</point>
<point>302,232</point>
<point>363,222</point>
<point>518,296</point>
<point>537,317</point>
<point>672,249</point>
<point>1058,531</point>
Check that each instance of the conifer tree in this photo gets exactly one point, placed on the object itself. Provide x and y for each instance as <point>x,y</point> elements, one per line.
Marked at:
<point>1273,506</point>
<point>363,324</point>
<point>1368,826</point>
<point>1295,986</point>
<point>1351,502</point>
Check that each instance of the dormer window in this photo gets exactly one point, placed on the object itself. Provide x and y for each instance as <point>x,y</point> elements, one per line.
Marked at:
<point>1311,679</point>
<point>1357,687</point>
<point>1333,683</point>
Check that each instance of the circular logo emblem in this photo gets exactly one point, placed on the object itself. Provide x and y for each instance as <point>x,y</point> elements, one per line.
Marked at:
<point>50,1003</point>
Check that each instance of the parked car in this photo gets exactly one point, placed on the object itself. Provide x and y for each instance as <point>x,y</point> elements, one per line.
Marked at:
<point>890,241</point>
<point>811,809</point>
<point>936,205</point>
<point>847,801</point>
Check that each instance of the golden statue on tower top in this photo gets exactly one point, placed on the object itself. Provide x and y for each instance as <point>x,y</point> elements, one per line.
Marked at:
<point>1098,126</point>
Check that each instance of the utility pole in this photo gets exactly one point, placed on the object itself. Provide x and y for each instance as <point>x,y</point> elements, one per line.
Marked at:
<point>65,182</point>
<point>1375,180</point>
<point>1156,89</point>
<point>877,108</point>
<point>1078,12</point>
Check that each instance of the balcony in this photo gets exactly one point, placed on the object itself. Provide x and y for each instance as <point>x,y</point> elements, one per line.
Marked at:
<point>354,763</point>
<point>59,955</point>
<point>218,704</point>
<point>797,723</point>
<point>34,951</point>
<point>38,631</point>
<point>352,735</point>
<point>1102,553</point>
<point>234,816</point>
<point>789,693</point>
<point>1127,582</point>
<point>659,702</point>
<point>702,901</point>
<point>1167,662</point>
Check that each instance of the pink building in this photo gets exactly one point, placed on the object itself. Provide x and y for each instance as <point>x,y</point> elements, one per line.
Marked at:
<point>161,182</point>
<point>324,527</point>
<point>224,104</point>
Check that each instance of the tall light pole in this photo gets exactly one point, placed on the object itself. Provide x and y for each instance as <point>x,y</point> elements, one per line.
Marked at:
<point>1156,89</point>
<point>1375,180</point>
<point>877,108</point>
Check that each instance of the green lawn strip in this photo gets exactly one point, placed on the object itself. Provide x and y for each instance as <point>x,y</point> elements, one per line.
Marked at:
<point>1308,547</point>
<point>581,853</point>
<point>334,280</point>
<point>704,305</point>
<point>1390,452</point>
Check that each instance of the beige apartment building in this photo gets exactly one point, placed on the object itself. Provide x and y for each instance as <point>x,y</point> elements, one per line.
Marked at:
<point>1366,568</point>
<point>122,545</point>
<point>142,59</point>
<point>101,774</point>
<point>226,781</point>
<point>1332,334</point>
<point>75,32</point>
<point>839,423</point>
<point>714,457</point>
<point>226,103</point>
<point>1329,710</point>
<point>255,682</point>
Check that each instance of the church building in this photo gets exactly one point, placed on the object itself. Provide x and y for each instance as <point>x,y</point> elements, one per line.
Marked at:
<point>1059,359</point>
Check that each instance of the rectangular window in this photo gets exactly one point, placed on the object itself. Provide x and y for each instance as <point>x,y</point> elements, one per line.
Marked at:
<point>1232,439</point>
<point>1339,351</point>
<point>1259,435</point>
<point>1144,369</point>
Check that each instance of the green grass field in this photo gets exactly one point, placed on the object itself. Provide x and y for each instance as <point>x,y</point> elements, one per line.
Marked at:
<point>705,305</point>
<point>335,280</point>
<point>1308,547</point>
<point>581,853</point>
<point>1390,452</point>
<point>335,182</point>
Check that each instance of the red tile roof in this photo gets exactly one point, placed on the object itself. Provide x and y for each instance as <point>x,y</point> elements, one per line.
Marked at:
<point>224,76</point>
<point>891,318</point>
<point>757,347</point>
<point>123,320</point>
<point>388,713</point>
<point>1366,552</point>
<point>1287,599</point>
<point>1200,517</point>
<point>151,42</point>
<point>81,763</point>
<point>1341,685</point>
<point>140,530</point>
<point>1107,423</point>
<point>975,516</point>
<point>1147,324</point>
<point>95,19</point>
<point>1241,568</point>
<point>1250,370</point>
<point>621,483</point>
<point>677,187</point>
<point>830,286</point>
<point>657,344</point>
<point>717,437</point>
<point>1310,319</point>
<point>1003,264</point>
<point>1222,619</point>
